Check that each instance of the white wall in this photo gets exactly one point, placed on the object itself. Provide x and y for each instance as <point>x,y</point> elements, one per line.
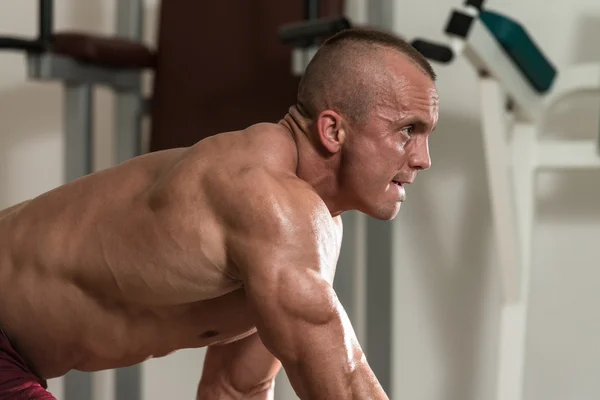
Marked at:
<point>447,300</point>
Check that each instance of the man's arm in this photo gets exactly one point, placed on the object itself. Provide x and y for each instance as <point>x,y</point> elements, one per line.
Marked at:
<point>244,369</point>
<point>284,246</point>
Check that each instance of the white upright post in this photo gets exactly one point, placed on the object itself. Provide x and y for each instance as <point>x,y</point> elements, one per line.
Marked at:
<point>513,315</point>
<point>498,164</point>
<point>511,160</point>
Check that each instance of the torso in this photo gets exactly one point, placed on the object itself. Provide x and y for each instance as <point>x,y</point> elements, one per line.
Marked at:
<point>128,263</point>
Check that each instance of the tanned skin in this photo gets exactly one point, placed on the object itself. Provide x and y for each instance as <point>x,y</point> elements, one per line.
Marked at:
<point>231,244</point>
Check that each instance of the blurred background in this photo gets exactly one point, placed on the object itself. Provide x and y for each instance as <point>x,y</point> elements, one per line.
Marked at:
<point>445,295</point>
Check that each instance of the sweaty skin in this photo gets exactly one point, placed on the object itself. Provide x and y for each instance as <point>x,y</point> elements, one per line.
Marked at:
<point>231,243</point>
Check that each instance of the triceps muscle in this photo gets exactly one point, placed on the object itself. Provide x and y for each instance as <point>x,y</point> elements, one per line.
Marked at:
<point>302,323</point>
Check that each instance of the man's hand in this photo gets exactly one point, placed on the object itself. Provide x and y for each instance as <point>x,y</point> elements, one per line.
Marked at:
<point>244,369</point>
<point>285,244</point>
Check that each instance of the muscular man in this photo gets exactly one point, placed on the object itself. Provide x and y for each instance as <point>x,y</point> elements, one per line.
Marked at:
<point>231,243</point>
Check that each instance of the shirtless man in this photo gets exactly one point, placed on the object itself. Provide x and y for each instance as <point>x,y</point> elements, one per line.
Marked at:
<point>231,243</point>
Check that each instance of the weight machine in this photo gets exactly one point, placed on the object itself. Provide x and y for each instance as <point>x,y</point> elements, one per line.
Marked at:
<point>519,88</point>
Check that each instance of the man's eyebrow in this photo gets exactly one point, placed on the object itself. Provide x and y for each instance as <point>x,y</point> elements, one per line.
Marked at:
<point>414,120</point>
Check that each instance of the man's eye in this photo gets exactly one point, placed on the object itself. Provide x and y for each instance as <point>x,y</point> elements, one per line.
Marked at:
<point>409,129</point>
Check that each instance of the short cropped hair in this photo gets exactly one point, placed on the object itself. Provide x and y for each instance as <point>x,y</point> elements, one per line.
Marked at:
<point>333,77</point>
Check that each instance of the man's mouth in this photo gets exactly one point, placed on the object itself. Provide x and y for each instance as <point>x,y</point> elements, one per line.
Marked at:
<point>398,183</point>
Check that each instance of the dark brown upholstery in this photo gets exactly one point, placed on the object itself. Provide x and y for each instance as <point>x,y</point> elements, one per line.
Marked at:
<point>220,66</point>
<point>103,51</point>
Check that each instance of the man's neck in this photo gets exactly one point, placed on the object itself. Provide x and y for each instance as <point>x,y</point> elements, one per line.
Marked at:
<point>313,167</point>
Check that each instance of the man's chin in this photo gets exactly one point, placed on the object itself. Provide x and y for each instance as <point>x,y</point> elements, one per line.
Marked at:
<point>388,213</point>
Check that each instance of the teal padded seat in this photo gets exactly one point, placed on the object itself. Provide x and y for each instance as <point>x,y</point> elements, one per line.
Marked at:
<point>519,46</point>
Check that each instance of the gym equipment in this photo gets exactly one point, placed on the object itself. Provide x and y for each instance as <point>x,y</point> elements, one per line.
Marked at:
<point>82,61</point>
<point>305,36</point>
<point>519,88</point>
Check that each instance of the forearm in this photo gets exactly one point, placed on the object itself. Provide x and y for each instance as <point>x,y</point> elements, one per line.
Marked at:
<point>239,370</point>
<point>310,333</point>
<point>334,372</point>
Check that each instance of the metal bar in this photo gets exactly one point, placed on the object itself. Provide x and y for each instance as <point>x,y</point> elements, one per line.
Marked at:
<point>128,123</point>
<point>513,316</point>
<point>500,185</point>
<point>77,386</point>
<point>381,14</point>
<point>129,19</point>
<point>129,383</point>
<point>78,131</point>
<point>129,103</point>
<point>48,66</point>
<point>567,154</point>
<point>39,44</point>
<point>379,242</point>
<point>103,385</point>
<point>379,301</point>
<point>128,114</point>
<point>349,283</point>
<point>78,162</point>
<point>573,80</point>
<point>311,9</point>
<point>46,21</point>
<point>13,43</point>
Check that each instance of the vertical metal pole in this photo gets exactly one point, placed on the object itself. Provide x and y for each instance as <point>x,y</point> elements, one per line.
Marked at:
<point>381,13</point>
<point>350,283</point>
<point>129,103</point>
<point>379,303</point>
<point>128,114</point>
<point>128,125</point>
<point>311,9</point>
<point>46,20</point>
<point>512,345</point>
<point>78,386</point>
<point>78,162</point>
<point>78,130</point>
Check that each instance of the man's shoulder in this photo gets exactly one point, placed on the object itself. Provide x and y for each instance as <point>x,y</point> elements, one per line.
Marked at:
<point>254,171</point>
<point>265,195</point>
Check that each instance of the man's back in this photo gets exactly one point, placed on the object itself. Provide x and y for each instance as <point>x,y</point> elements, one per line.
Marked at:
<point>137,252</point>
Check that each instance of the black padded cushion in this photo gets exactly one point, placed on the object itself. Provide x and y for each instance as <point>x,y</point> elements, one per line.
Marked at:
<point>103,51</point>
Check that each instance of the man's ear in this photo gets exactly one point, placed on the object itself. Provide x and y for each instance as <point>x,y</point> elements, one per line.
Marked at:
<point>331,131</point>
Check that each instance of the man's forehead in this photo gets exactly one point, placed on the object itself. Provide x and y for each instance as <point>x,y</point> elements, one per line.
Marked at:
<point>414,94</point>
<point>410,104</point>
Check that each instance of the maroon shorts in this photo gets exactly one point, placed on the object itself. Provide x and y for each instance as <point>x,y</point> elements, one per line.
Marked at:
<point>17,381</point>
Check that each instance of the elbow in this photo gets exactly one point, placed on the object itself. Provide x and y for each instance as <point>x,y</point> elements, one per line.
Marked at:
<point>262,391</point>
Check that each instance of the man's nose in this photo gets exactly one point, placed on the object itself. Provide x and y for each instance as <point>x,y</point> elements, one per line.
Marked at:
<point>419,158</point>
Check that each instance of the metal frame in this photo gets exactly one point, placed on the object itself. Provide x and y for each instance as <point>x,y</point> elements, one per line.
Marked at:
<point>514,154</point>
